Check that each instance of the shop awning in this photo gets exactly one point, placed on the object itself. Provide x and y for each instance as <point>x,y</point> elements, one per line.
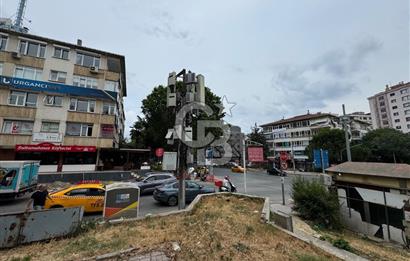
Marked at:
<point>50,147</point>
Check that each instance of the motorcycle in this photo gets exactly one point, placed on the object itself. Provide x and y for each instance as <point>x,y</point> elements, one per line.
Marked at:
<point>231,188</point>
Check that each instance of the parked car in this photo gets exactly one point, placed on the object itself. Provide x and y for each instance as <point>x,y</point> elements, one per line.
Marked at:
<point>168,194</point>
<point>276,171</point>
<point>148,183</point>
<point>237,169</point>
<point>89,196</point>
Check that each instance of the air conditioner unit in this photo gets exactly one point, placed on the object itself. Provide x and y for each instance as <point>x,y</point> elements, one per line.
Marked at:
<point>16,55</point>
<point>94,69</point>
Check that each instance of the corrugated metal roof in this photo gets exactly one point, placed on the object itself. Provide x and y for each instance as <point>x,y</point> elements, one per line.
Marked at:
<point>373,169</point>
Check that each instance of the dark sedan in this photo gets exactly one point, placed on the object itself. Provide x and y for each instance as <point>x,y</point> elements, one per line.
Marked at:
<point>148,184</point>
<point>275,171</point>
<point>168,194</point>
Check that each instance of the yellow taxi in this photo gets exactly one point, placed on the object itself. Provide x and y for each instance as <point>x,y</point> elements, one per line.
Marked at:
<point>237,169</point>
<point>88,196</point>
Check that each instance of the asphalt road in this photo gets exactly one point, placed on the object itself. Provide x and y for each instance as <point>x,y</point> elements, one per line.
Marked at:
<point>257,182</point>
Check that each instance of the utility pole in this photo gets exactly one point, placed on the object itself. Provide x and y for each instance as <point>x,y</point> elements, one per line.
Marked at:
<point>345,121</point>
<point>244,161</point>
<point>193,91</point>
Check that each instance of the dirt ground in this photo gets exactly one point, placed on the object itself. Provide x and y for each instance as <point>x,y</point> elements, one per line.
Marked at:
<point>222,227</point>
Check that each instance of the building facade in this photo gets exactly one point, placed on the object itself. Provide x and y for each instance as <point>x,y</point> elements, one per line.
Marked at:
<point>391,108</point>
<point>60,103</point>
<point>291,136</point>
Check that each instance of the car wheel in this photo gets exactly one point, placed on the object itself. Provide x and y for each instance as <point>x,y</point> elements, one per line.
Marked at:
<point>172,201</point>
<point>56,206</point>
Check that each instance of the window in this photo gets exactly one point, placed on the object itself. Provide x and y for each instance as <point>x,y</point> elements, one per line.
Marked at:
<point>397,120</point>
<point>23,99</point>
<point>394,107</point>
<point>398,127</point>
<point>50,126</point>
<point>32,48</point>
<point>111,86</point>
<point>404,91</point>
<point>17,127</point>
<point>79,129</point>
<point>78,192</point>
<point>1,68</point>
<point>407,112</point>
<point>61,53</point>
<point>56,76</point>
<point>3,42</point>
<point>87,60</point>
<point>108,108</point>
<point>396,114</point>
<point>382,103</point>
<point>82,105</point>
<point>383,109</point>
<point>84,81</point>
<point>392,94</point>
<point>385,122</point>
<point>53,100</point>
<point>405,98</point>
<point>407,118</point>
<point>28,73</point>
<point>381,98</point>
<point>393,101</point>
<point>408,126</point>
<point>407,104</point>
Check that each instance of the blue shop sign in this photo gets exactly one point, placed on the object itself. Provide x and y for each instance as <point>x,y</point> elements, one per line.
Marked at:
<point>24,84</point>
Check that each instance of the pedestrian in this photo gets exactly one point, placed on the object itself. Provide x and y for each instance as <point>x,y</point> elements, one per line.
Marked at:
<point>38,198</point>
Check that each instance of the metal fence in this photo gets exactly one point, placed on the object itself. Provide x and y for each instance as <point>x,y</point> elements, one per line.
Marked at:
<point>81,176</point>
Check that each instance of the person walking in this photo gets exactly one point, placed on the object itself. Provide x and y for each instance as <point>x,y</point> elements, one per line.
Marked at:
<point>38,198</point>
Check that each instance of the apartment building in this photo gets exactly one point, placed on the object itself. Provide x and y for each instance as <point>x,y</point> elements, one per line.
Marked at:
<point>360,124</point>
<point>391,108</point>
<point>60,103</point>
<point>361,116</point>
<point>291,136</point>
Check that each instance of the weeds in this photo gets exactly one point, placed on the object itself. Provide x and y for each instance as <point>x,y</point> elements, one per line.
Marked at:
<point>241,247</point>
<point>342,244</point>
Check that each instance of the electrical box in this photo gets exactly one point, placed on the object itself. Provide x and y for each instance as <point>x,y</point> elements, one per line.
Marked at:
<point>171,90</point>
<point>188,134</point>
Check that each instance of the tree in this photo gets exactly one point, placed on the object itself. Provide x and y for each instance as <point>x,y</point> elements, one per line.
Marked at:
<point>384,145</point>
<point>150,129</point>
<point>332,140</point>
<point>257,136</point>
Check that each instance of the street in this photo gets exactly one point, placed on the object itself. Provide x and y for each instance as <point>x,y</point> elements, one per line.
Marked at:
<point>258,183</point>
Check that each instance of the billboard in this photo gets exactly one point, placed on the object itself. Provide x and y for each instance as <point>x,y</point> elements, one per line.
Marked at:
<point>317,158</point>
<point>169,161</point>
<point>255,154</point>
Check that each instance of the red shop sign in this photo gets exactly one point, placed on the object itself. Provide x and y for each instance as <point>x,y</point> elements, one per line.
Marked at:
<point>159,152</point>
<point>255,154</point>
<point>50,147</point>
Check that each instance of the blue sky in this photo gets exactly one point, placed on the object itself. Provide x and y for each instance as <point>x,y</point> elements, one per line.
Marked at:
<point>273,58</point>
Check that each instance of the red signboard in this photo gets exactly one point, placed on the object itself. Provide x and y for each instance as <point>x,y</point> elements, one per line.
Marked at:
<point>255,154</point>
<point>159,152</point>
<point>107,130</point>
<point>50,147</point>
<point>284,156</point>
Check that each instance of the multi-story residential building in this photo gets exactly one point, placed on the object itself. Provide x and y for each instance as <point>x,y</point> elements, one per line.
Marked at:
<point>60,103</point>
<point>391,108</point>
<point>291,136</point>
<point>361,116</point>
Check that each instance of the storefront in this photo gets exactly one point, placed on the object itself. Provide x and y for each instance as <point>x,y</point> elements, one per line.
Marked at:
<point>58,158</point>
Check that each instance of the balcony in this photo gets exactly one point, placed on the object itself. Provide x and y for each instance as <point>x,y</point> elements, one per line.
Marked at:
<point>10,140</point>
<point>88,141</point>
<point>17,112</point>
<point>86,117</point>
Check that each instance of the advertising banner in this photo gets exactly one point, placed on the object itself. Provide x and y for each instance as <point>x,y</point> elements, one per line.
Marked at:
<point>255,154</point>
<point>169,161</point>
<point>50,147</point>
<point>121,200</point>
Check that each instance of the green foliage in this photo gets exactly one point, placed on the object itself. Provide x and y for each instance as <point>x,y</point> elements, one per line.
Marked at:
<point>342,244</point>
<point>25,258</point>
<point>384,145</point>
<point>332,140</point>
<point>156,167</point>
<point>150,129</point>
<point>315,203</point>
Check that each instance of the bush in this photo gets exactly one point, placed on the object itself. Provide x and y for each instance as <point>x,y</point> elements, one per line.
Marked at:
<point>315,203</point>
<point>342,244</point>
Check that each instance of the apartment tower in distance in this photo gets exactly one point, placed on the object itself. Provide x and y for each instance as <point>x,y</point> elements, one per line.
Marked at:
<point>391,108</point>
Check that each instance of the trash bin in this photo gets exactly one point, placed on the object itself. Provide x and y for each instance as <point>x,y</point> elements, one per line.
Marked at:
<point>121,200</point>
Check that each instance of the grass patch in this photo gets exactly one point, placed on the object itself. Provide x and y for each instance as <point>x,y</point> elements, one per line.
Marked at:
<point>305,257</point>
<point>217,229</point>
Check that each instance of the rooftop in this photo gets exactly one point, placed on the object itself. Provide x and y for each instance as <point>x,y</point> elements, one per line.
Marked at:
<point>373,169</point>
<point>308,116</point>
<point>392,88</point>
